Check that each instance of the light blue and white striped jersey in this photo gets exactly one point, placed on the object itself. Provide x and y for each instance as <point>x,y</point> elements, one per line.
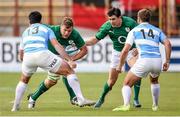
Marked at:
<point>35,38</point>
<point>147,38</point>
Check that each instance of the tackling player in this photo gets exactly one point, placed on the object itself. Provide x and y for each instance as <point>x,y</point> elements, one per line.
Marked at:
<point>34,53</point>
<point>72,42</point>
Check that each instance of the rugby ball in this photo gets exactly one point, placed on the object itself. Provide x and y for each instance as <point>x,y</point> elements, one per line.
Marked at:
<point>71,50</point>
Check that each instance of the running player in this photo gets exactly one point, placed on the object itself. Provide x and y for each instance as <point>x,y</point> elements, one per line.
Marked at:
<point>117,28</point>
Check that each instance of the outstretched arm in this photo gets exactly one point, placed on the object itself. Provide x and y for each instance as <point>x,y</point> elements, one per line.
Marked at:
<point>91,41</point>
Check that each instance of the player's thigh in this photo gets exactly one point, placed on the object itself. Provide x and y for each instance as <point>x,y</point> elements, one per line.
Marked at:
<point>130,79</point>
<point>115,57</point>
<point>64,69</point>
<point>141,68</point>
<point>29,66</point>
<point>49,61</point>
<point>144,66</point>
<point>157,66</point>
<point>113,75</point>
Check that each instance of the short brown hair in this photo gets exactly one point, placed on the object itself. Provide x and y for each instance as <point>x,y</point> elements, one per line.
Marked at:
<point>68,22</point>
<point>145,15</point>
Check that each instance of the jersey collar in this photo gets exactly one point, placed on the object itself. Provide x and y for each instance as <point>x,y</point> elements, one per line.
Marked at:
<point>144,23</point>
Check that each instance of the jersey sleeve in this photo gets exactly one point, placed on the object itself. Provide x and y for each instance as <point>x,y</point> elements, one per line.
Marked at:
<point>51,34</point>
<point>103,31</point>
<point>130,38</point>
<point>162,36</point>
<point>24,34</point>
<point>79,40</point>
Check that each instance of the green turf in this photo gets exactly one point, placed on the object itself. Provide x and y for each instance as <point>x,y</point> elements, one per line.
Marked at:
<point>55,102</point>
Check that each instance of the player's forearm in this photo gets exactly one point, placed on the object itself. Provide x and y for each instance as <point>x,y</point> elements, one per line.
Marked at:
<point>91,41</point>
<point>124,53</point>
<point>168,51</point>
<point>82,53</point>
<point>121,62</point>
<point>62,52</point>
<point>21,54</point>
<point>123,58</point>
<point>59,48</point>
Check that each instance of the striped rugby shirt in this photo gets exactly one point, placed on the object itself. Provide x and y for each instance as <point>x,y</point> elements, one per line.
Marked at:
<point>147,38</point>
<point>35,38</point>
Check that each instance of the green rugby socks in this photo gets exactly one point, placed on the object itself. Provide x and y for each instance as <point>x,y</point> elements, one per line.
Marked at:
<point>105,91</point>
<point>137,86</point>
<point>41,89</point>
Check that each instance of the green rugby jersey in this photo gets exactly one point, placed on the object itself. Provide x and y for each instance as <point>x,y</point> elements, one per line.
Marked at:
<point>73,41</point>
<point>117,34</point>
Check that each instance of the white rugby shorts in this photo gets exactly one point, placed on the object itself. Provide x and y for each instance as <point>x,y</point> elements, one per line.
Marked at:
<point>115,58</point>
<point>144,66</point>
<point>43,59</point>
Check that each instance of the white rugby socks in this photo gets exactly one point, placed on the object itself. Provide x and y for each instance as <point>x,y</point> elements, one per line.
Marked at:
<point>20,89</point>
<point>126,93</point>
<point>74,83</point>
<point>155,90</point>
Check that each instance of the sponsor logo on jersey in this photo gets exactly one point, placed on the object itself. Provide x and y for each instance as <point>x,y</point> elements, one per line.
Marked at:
<point>111,32</point>
<point>127,29</point>
<point>71,42</point>
<point>122,39</point>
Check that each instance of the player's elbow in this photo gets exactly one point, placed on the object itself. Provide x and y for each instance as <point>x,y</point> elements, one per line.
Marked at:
<point>85,50</point>
<point>167,43</point>
<point>91,41</point>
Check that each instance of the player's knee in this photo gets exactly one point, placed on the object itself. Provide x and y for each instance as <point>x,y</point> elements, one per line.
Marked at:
<point>53,82</point>
<point>154,81</point>
<point>128,82</point>
<point>111,82</point>
<point>65,69</point>
<point>49,83</point>
<point>52,76</point>
<point>25,79</point>
<point>125,82</point>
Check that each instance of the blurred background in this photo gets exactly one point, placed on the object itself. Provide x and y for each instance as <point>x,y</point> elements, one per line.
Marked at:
<point>88,16</point>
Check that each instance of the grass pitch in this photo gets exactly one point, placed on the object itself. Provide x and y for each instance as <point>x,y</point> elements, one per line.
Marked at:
<point>55,102</point>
